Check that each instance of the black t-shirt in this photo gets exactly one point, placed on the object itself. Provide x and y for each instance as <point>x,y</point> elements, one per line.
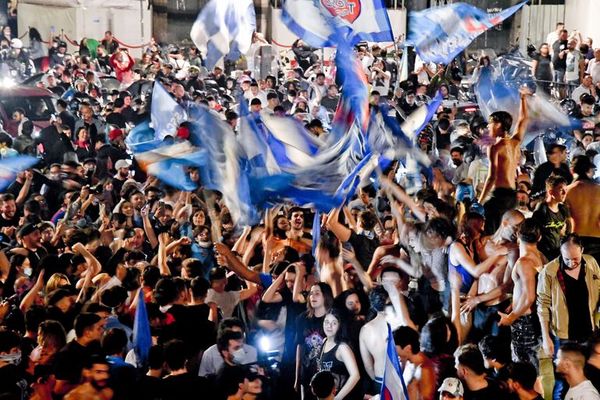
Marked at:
<point>364,248</point>
<point>551,225</point>
<point>577,295</point>
<point>559,63</point>
<point>491,392</point>
<point>185,386</point>
<point>70,360</point>
<point>310,336</point>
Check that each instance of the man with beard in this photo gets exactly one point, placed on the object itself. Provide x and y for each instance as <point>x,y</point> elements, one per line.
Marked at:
<point>122,168</point>
<point>31,244</point>
<point>77,355</point>
<point>492,285</point>
<point>462,168</point>
<point>95,386</point>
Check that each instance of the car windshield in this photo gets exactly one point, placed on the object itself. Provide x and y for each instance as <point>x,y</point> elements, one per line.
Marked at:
<point>36,108</point>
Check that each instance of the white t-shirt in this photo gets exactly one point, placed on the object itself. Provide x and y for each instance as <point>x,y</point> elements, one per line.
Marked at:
<point>584,391</point>
<point>226,301</point>
<point>593,69</point>
<point>572,60</point>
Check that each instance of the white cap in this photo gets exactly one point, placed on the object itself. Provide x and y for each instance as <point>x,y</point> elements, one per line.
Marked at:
<point>122,164</point>
<point>16,43</point>
<point>453,386</point>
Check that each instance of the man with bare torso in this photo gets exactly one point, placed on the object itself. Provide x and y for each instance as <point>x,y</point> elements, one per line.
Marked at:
<point>525,326</point>
<point>582,199</point>
<point>504,155</point>
<point>493,285</point>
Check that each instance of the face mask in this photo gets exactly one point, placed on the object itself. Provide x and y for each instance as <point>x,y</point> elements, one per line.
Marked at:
<point>12,358</point>
<point>27,271</point>
<point>238,356</point>
<point>522,204</point>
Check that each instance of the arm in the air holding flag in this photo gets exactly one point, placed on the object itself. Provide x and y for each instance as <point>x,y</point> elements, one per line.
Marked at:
<point>340,231</point>
<point>523,120</point>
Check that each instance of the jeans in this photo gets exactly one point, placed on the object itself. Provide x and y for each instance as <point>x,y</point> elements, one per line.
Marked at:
<point>526,339</point>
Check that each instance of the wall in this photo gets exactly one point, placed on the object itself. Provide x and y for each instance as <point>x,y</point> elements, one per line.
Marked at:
<point>582,15</point>
<point>78,22</point>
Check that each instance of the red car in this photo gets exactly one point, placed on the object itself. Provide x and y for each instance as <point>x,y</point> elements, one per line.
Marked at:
<point>39,105</point>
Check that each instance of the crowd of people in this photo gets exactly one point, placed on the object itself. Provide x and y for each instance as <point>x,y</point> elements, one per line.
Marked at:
<point>486,275</point>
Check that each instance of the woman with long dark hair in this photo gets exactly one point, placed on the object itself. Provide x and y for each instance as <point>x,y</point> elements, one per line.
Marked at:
<point>310,335</point>
<point>337,356</point>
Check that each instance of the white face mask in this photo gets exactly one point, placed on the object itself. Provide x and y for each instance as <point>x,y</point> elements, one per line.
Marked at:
<point>27,271</point>
<point>12,358</point>
<point>238,356</point>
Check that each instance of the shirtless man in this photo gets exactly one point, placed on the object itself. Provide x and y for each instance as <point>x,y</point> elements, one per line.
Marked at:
<point>374,334</point>
<point>493,285</point>
<point>298,238</point>
<point>582,199</point>
<point>504,155</point>
<point>525,328</point>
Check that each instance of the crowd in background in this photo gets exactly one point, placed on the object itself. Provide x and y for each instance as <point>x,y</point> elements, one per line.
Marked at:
<point>485,273</point>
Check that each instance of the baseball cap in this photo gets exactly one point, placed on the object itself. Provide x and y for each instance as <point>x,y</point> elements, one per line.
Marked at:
<point>27,229</point>
<point>122,164</point>
<point>452,386</point>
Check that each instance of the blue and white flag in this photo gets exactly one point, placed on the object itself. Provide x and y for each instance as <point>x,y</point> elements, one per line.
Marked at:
<point>223,25</point>
<point>418,119</point>
<point>166,114</point>
<point>315,21</point>
<point>11,166</point>
<point>439,34</point>
<point>142,338</point>
<point>393,387</point>
<point>142,138</point>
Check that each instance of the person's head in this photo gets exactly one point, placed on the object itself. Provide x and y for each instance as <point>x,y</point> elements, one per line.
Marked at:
<point>572,44</point>
<point>529,232</point>
<point>322,385</point>
<point>231,347</point>
<point>583,167</point>
<point>255,105</point>
<point>30,236</point>
<point>367,220</point>
<point>510,224</point>
<point>456,153</point>
<point>320,298</point>
<point>563,34</point>
<point>96,371</point>
<point>437,232</point>
<point>351,301</point>
<point>175,354</point>
<point>451,389</point>
<point>571,251</point>
<point>570,359</point>
<point>51,338</point>
<point>218,279</point>
<point>521,377</point>
<point>544,49</point>
<point>9,206</point>
<point>499,123</point>
<point>114,342</point>
<point>556,188</point>
<point>495,351</point>
<point>407,342</point>
<point>18,114</point>
<point>469,362</point>
<point>296,216</point>
<point>556,153</point>
<point>88,327</point>
<point>281,225</point>
<point>334,325</point>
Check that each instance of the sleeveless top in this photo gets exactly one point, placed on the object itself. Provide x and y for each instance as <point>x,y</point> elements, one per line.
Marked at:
<point>467,278</point>
<point>329,362</point>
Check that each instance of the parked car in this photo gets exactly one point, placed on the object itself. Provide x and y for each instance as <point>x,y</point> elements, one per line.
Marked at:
<point>39,106</point>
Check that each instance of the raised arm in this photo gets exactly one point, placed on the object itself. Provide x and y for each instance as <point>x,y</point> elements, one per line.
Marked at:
<point>340,231</point>
<point>523,120</point>
<point>227,259</point>
<point>403,197</point>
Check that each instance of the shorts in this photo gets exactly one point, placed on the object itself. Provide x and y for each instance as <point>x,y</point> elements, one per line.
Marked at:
<point>526,339</point>
<point>502,200</point>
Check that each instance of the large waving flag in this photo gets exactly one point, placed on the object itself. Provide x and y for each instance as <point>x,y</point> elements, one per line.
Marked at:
<point>315,21</point>
<point>393,387</point>
<point>170,163</point>
<point>166,114</point>
<point>142,138</point>
<point>497,89</point>
<point>419,118</point>
<point>220,23</point>
<point>142,338</point>
<point>11,166</point>
<point>440,33</point>
<point>353,107</point>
